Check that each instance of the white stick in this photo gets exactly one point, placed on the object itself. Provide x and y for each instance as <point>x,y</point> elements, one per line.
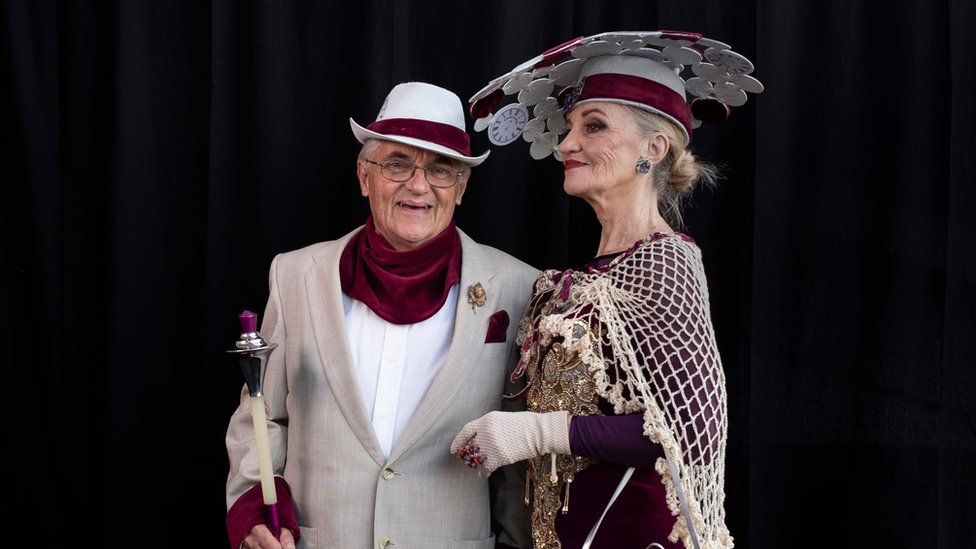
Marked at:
<point>264,450</point>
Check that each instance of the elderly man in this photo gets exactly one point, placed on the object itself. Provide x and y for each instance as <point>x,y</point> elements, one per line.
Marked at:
<point>391,339</point>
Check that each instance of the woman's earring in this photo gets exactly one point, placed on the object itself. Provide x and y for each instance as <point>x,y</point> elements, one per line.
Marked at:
<point>644,166</point>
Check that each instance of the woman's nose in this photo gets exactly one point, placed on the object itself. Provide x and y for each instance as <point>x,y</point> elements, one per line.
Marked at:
<point>569,144</point>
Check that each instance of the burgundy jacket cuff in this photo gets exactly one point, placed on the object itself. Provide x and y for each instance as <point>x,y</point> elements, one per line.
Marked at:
<point>248,511</point>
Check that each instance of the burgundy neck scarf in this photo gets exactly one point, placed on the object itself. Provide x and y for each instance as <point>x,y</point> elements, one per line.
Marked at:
<point>400,287</point>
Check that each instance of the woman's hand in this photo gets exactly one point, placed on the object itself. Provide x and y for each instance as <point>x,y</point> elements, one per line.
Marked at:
<point>261,538</point>
<point>501,438</point>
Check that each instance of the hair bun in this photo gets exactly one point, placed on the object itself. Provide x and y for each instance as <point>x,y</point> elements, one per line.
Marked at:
<point>683,172</point>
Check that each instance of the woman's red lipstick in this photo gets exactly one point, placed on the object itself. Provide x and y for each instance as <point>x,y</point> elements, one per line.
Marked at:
<point>570,164</point>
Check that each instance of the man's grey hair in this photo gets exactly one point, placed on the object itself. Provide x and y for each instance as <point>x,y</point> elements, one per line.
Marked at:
<point>367,149</point>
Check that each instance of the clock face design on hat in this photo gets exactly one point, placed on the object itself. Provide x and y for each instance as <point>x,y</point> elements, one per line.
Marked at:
<point>508,124</point>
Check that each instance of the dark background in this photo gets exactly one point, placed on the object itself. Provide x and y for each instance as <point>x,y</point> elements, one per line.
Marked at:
<point>156,155</point>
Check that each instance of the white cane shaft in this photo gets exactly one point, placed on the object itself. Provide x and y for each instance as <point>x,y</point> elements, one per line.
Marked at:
<point>264,450</point>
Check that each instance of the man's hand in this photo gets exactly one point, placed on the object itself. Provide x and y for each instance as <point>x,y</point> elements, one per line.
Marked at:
<point>261,538</point>
<point>507,437</point>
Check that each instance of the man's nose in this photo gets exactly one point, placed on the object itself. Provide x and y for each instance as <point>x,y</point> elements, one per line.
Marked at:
<point>418,181</point>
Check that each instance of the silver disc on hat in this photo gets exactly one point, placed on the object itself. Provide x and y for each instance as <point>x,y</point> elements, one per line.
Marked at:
<point>482,123</point>
<point>545,107</point>
<point>594,49</point>
<point>711,72</point>
<point>699,87</point>
<point>747,83</point>
<point>535,91</point>
<point>534,129</point>
<point>684,56</point>
<point>543,146</point>
<point>649,53</point>
<point>732,62</point>
<point>517,83</point>
<point>730,94</point>
<point>566,73</point>
<point>542,72</point>
<point>557,123</point>
<point>665,42</point>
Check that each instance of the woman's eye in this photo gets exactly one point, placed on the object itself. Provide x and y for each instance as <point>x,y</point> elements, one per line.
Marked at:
<point>594,127</point>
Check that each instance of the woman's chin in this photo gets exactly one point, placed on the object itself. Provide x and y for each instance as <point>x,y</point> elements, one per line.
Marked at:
<point>574,186</point>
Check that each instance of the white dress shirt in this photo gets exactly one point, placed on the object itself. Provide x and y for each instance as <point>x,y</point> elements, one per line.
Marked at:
<point>396,363</point>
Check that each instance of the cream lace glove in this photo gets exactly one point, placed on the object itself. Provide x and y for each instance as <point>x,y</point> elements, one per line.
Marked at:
<point>502,438</point>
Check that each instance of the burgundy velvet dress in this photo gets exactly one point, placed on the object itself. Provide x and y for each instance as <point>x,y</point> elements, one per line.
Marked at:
<point>640,515</point>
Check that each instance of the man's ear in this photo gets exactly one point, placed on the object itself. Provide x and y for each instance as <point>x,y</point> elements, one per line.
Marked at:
<point>462,186</point>
<point>363,177</point>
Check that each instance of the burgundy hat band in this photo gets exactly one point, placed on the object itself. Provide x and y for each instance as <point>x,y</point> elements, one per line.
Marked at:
<point>638,90</point>
<point>426,130</point>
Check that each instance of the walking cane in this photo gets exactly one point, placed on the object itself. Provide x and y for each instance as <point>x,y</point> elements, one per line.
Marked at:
<point>252,354</point>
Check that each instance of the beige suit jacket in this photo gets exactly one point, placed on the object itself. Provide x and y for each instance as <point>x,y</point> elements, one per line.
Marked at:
<point>347,495</point>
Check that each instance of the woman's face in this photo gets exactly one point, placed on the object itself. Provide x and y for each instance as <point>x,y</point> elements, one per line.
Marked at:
<point>601,150</point>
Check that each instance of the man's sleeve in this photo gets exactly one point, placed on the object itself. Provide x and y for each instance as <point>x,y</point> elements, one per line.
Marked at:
<point>244,477</point>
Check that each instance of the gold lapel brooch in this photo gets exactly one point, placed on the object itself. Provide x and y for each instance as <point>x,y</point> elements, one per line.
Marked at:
<point>477,296</point>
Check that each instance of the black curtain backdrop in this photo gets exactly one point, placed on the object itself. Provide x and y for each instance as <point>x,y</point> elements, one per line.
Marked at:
<point>156,155</point>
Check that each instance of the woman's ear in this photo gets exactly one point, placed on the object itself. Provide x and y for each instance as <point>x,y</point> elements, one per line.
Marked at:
<point>656,147</point>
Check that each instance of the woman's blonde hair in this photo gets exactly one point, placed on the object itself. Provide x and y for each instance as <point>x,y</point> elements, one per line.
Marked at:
<point>679,172</point>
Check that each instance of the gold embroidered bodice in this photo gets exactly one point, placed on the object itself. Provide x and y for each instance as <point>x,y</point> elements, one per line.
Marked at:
<point>559,381</point>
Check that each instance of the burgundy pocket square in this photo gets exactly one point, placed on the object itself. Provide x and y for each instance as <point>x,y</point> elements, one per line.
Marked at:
<point>497,328</point>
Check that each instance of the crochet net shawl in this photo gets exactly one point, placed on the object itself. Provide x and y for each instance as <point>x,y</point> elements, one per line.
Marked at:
<point>643,328</point>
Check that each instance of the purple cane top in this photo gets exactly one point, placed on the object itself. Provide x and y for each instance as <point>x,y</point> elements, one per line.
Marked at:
<point>640,516</point>
<point>249,322</point>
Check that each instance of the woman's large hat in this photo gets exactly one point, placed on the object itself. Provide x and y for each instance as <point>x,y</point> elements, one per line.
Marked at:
<point>424,116</point>
<point>640,69</point>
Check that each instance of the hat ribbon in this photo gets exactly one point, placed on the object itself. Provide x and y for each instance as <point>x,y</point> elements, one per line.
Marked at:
<point>635,89</point>
<point>426,130</point>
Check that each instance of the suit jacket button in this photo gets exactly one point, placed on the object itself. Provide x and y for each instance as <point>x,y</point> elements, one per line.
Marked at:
<point>385,543</point>
<point>388,474</point>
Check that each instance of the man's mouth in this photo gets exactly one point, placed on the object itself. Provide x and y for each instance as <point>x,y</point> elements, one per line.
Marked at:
<point>413,206</point>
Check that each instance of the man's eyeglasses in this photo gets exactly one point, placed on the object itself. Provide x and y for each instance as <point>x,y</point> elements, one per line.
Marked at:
<point>402,170</point>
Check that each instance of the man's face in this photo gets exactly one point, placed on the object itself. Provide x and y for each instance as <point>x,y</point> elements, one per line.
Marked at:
<point>408,214</point>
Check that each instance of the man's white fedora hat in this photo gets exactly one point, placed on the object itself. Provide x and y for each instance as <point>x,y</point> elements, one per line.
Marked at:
<point>424,116</point>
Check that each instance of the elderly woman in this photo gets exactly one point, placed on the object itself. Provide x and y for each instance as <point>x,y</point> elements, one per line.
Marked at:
<point>626,425</point>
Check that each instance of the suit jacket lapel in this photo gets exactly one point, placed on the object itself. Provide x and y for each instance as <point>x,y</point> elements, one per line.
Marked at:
<point>470,326</point>
<point>329,327</point>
